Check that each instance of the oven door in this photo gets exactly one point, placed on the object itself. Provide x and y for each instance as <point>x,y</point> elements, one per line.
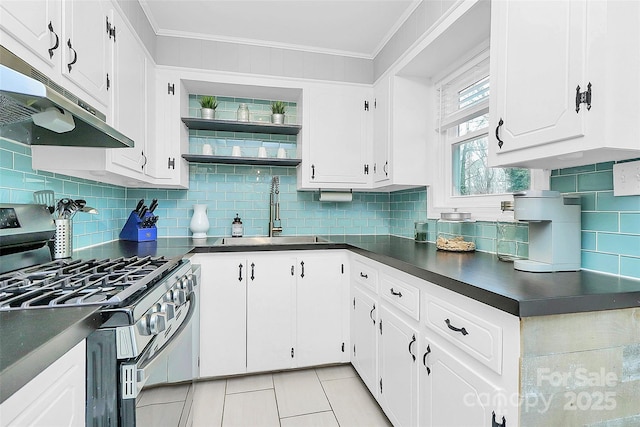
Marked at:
<point>113,385</point>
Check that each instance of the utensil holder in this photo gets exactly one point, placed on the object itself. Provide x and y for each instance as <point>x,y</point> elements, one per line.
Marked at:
<point>63,241</point>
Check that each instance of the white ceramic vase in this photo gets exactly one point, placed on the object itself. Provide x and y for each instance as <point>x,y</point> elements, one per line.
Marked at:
<point>199,224</point>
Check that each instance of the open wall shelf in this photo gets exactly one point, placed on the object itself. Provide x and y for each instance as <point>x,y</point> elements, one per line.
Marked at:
<point>231,160</point>
<point>235,126</point>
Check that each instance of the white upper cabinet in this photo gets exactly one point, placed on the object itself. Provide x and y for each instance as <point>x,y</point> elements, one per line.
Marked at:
<point>130,110</point>
<point>87,46</point>
<point>41,31</point>
<point>381,127</point>
<point>36,26</point>
<point>541,85</point>
<point>336,139</point>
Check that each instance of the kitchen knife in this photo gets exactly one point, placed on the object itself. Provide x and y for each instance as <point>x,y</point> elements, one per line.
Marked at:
<point>153,205</point>
<point>139,206</point>
<point>143,212</point>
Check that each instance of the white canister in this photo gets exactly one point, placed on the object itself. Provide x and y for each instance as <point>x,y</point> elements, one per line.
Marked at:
<point>207,150</point>
<point>199,224</point>
<point>243,113</point>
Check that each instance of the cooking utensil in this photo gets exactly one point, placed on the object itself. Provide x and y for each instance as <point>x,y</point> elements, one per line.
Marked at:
<point>89,210</point>
<point>45,197</point>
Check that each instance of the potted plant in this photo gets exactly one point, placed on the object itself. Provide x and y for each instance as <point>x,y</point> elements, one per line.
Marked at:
<point>277,112</point>
<point>209,105</point>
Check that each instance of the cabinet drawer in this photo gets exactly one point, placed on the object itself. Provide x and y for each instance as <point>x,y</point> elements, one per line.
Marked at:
<point>477,337</point>
<point>365,275</point>
<point>401,294</point>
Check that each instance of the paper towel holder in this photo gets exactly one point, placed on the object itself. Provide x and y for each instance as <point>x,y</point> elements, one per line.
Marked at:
<point>335,195</point>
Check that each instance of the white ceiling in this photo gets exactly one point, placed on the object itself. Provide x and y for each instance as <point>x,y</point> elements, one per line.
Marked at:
<point>358,28</point>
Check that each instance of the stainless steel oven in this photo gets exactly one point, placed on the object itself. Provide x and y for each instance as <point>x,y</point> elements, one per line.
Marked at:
<point>150,307</point>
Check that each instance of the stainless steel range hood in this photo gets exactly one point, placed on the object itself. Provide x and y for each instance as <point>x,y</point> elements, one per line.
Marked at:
<point>37,111</point>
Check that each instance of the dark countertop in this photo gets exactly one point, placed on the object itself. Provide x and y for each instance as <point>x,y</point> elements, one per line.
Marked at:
<point>478,275</point>
<point>30,340</point>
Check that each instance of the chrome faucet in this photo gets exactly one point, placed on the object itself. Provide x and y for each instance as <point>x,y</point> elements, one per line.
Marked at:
<point>275,225</point>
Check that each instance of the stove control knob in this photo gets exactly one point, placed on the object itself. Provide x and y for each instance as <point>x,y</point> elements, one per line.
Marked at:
<point>168,297</point>
<point>156,308</point>
<point>186,283</point>
<point>157,322</point>
<point>169,310</point>
<point>179,297</point>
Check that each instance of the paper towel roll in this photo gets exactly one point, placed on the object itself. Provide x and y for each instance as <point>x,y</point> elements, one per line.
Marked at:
<point>336,196</point>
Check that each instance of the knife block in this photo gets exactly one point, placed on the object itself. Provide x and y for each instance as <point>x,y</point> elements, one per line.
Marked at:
<point>134,231</point>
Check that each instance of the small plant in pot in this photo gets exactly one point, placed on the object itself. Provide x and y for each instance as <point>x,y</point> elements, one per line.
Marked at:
<point>277,112</point>
<point>209,105</point>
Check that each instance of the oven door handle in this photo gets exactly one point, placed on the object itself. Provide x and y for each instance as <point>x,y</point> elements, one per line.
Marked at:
<point>145,361</point>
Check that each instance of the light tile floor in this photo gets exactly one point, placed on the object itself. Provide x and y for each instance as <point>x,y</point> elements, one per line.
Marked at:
<point>323,397</point>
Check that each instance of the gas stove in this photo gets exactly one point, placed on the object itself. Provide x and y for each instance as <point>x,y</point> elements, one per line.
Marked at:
<point>108,282</point>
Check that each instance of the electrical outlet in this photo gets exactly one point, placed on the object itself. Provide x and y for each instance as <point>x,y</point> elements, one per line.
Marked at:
<point>626,179</point>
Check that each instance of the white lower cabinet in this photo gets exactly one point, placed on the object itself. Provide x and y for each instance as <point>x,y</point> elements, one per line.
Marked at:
<point>56,397</point>
<point>364,336</point>
<point>321,308</point>
<point>261,312</point>
<point>452,393</point>
<point>398,368</point>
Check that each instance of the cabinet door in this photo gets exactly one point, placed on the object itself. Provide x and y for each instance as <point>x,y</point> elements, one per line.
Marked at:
<point>363,336</point>
<point>398,369</point>
<point>320,307</point>
<point>381,129</point>
<point>87,62</point>
<point>337,146</point>
<point>222,315</point>
<point>270,311</point>
<point>452,394</point>
<point>36,25</point>
<point>129,107</point>
<point>56,397</point>
<point>534,79</point>
<point>171,136</point>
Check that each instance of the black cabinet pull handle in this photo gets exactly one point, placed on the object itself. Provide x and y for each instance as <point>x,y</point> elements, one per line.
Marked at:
<point>240,273</point>
<point>424,360</point>
<point>500,142</point>
<point>292,268</point>
<point>413,339</point>
<point>363,275</point>
<point>313,171</point>
<point>398,294</point>
<point>253,267</point>
<point>583,97</point>
<point>56,44</point>
<point>494,423</point>
<point>302,265</point>
<point>371,313</point>
<point>385,168</point>
<point>75,55</point>
<point>463,331</point>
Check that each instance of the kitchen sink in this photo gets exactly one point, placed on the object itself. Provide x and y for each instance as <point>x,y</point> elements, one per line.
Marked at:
<point>277,240</point>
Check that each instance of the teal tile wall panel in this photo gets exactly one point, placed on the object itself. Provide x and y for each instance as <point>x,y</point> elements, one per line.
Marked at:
<point>610,224</point>
<point>407,207</point>
<point>227,190</point>
<point>18,181</point>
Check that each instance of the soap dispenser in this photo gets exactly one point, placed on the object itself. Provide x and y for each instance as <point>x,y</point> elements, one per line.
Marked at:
<point>236,227</point>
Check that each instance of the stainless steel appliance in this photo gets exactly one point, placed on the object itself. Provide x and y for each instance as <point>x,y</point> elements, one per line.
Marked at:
<point>150,307</point>
<point>554,230</point>
<point>37,111</point>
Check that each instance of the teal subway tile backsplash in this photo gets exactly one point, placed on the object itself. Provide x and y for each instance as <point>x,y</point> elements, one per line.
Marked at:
<point>611,225</point>
<point>18,181</point>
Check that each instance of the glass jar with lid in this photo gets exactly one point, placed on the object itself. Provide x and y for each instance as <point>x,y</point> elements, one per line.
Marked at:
<point>456,232</point>
<point>243,113</point>
<point>509,244</point>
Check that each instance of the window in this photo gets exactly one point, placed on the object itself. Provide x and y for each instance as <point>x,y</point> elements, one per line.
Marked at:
<point>464,179</point>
